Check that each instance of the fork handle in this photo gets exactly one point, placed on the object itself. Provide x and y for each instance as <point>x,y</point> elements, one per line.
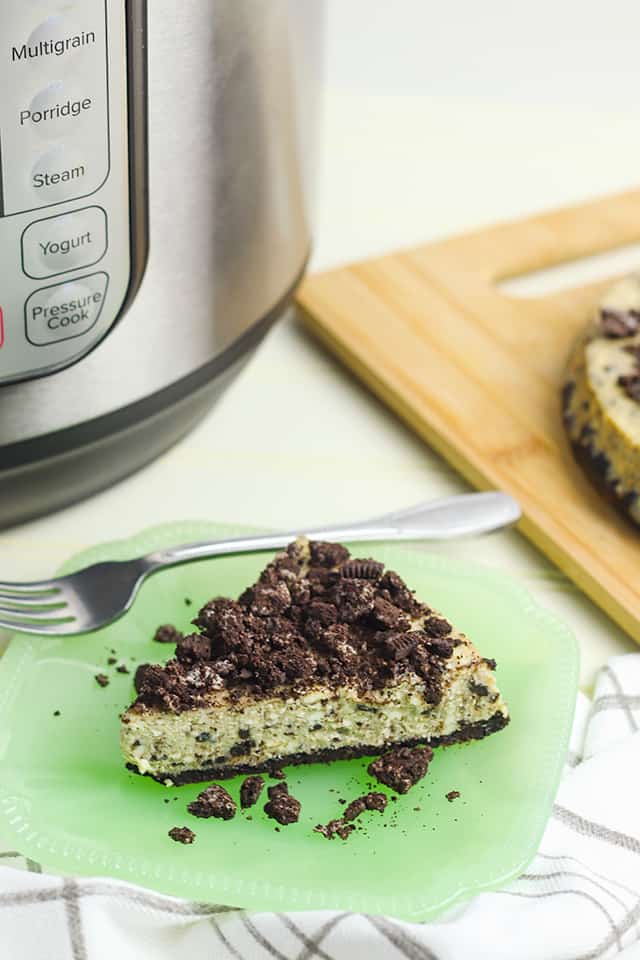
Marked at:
<point>458,516</point>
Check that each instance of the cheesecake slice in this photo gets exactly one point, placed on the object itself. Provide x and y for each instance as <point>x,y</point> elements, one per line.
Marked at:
<point>601,397</point>
<point>325,657</point>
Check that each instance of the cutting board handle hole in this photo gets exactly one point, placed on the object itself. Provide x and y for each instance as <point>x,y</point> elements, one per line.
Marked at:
<point>572,273</point>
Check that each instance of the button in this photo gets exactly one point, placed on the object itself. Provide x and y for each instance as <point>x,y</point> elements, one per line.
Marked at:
<point>62,174</point>
<point>43,43</point>
<point>57,40</point>
<point>46,32</point>
<point>57,111</point>
<point>68,242</point>
<point>65,310</point>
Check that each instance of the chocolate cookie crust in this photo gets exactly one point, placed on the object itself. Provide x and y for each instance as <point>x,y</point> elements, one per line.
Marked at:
<point>597,469</point>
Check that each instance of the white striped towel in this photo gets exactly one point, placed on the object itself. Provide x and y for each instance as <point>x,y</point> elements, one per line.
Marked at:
<point>578,900</point>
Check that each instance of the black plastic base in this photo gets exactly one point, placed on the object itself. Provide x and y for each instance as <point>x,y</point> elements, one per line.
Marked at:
<point>47,473</point>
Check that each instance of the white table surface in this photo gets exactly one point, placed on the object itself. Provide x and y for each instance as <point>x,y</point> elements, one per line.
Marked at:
<point>416,145</point>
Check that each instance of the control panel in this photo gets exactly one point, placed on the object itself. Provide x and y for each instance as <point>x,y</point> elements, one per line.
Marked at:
<point>65,245</point>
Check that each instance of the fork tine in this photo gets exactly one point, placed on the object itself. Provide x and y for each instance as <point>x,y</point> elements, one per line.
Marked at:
<point>51,601</point>
<point>63,627</point>
<point>22,616</point>
<point>38,587</point>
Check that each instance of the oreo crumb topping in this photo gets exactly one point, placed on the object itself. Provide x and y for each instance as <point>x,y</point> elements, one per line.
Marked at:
<point>568,391</point>
<point>193,648</point>
<point>213,802</point>
<point>315,616</point>
<point>370,801</point>
<point>354,809</point>
<point>277,774</point>
<point>182,834</point>
<point>123,668</point>
<point>324,554</point>
<point>250,791</point>
<point>452,795</point>
<point>142,672</point>
<point>342,826</point>
<point>437,627</point>
<point>167,633</point>
<point>630,383</point>
<point>102,679</point>
<point>281,806</point>
<point>362,569</point>
<point>111,661</point>
<point>401,769</point>
<point>335,828</point>
<point>619,323</point>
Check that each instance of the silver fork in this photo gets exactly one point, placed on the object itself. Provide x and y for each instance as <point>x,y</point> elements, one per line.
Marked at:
<point>99,594</point>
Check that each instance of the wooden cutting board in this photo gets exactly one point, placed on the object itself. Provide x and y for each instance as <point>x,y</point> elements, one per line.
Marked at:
<point>478,373</point>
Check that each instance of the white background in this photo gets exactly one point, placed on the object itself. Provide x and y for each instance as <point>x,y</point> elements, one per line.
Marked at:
<point>438,117</point>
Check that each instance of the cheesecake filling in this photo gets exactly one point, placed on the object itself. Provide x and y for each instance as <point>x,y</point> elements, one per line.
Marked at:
<point>256,734</point>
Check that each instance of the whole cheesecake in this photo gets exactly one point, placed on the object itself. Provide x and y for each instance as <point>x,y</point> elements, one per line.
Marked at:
<point>601,397</point>
<point>324,657</point>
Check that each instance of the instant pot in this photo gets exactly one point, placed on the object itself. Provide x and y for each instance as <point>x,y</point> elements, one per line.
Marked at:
<point>155,165</point>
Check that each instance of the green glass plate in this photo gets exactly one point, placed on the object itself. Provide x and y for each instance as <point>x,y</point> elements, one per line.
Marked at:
<point>67,800</point>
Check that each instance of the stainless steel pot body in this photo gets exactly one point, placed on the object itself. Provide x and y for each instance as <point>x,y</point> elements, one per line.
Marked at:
<point>196,152</point>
